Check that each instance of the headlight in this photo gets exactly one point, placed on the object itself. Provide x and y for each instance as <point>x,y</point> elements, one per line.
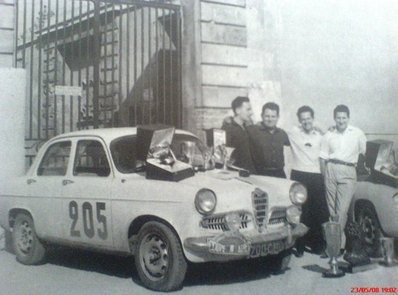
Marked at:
<point>293,214</point>
<point>298,193</point>
<point>205,201</point>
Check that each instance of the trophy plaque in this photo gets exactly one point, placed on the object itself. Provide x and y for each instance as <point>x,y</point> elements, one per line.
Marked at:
<point>332,233</point>
<point>356,257</point>
<point>154,147</point>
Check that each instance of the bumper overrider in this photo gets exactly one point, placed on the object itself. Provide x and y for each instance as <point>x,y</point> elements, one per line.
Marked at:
<point>231,245</point>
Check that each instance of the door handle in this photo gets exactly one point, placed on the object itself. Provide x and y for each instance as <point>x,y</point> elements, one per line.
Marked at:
<point>67,181</point>
<point>30,181</point>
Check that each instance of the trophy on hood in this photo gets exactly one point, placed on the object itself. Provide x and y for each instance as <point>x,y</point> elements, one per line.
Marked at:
<point>332,233</point>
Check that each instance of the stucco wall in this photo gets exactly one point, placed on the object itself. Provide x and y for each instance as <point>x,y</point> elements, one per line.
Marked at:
<point>12,127</point>
<point>237,56</point>
<point>336,52</point>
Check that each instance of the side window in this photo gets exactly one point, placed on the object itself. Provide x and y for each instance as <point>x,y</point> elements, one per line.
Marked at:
<point>55,160</point>
<point>90,159</point>
<point>123,152</point>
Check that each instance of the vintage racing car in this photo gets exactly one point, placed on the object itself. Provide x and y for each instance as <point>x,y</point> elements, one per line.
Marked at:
<point>87,189</point>
<point>375,203</point>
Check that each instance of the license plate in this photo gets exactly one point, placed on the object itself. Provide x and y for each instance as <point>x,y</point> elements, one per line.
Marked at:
<point>264,249</point>
<point>218,248</point>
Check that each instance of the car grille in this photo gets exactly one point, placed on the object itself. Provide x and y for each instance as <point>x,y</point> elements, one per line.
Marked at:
<point>217,221</point>
<point>260,206</point>
<point>278,216</point>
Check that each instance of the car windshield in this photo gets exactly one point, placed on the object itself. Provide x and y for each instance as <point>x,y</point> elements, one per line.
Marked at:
<point>185,147</point>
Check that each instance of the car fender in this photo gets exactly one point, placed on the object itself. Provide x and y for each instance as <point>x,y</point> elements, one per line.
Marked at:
<point>381,197</point>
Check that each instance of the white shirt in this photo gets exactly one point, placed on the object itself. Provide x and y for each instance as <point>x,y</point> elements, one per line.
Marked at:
<point>345,146</point>
<point>305,149</point>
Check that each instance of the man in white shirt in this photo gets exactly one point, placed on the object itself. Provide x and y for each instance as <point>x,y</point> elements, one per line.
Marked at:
<point>340,149</point>
<point>305,143</point>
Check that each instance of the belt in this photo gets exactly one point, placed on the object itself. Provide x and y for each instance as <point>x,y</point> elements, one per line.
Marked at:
<point>339,162</point>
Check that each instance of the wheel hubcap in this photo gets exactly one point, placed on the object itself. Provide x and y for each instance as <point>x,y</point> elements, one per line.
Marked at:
<point>154,258</point>
<point>24,237</point>
<point>369,229</point>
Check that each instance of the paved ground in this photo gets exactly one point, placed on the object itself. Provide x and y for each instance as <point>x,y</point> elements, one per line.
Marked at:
<point>79,272</point>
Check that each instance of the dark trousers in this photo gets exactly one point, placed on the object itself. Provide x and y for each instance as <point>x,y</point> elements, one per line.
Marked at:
<point>315,210</point>
<point>273,172</point>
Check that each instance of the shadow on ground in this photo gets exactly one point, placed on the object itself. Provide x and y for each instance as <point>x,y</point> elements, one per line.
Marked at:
<point>197,274</point>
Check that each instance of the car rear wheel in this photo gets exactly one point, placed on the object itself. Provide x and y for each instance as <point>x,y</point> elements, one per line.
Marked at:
<point>159,259</point>
<point>27,247</point>
<point>371,229</point>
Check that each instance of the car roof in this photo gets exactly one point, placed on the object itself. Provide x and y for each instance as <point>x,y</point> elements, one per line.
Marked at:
<point>108,134</point>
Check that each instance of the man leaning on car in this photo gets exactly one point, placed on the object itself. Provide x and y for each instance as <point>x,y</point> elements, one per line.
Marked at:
<point>340,149</point>
<point>267,142</point>
<point>236,133</point>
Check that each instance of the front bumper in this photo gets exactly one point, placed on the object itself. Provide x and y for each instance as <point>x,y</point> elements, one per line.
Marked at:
<point>235,245</point>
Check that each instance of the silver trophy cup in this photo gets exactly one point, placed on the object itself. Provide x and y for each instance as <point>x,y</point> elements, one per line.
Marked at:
<point>332,234</point>
<point>188,149</point>
<point>387,251</point>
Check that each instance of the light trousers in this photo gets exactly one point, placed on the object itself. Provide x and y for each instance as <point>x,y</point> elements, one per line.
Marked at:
<point>340,184</point>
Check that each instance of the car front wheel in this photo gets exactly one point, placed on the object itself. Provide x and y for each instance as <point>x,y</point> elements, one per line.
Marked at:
<point>27,247</point>
<point>371,229</point>
<point>159,259</point>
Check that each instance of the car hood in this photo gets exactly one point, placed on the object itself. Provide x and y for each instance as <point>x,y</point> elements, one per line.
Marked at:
<point>234,192</point>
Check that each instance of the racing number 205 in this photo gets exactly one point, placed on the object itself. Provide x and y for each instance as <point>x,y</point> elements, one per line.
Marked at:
<point>88,219</point>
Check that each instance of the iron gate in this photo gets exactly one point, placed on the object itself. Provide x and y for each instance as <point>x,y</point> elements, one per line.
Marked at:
<point>98,63</point>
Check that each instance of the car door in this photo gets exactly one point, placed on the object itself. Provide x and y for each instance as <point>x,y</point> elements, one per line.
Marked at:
<point>45,189</point>
<point>86,195</point>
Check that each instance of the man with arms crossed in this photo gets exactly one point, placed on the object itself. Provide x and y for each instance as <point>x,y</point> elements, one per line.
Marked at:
<point>267,142</point>
<point>340,149</point>
<point>237,137</point>
<point>305,143</point>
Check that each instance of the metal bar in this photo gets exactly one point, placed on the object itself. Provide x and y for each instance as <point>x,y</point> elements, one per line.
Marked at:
<point>171,94</point>
<point>86,118</point>
<point>149,66</point>
<point>71,70</point>
<point>128,57</point>
<point>97,46</point>
<point>63,71</point>
<point>39,73</point>
<point>120,63</point>
<point>56,67</point>
<point>135,65</point>
<point>113,66</point>
<point>31,73</point>
<point>142,65</point>
<point>145,3</point>
<point>179,71</point>
<point>157,63</point>
<point>61,25</point>
<point>24,34</point>
<point>16,31</point>
<point>47,83</point>
<point>104,103</point>
<point>164,66</point>
<point>80,68</point>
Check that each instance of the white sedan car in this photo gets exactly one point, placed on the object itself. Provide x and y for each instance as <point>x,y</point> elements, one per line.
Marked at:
<point>86,190</point>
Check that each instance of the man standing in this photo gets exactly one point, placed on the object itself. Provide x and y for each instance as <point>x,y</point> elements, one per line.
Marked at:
<point>267,142</point>
<point>236,133</point>
<point>340,149</point>
<point>305,141</point>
